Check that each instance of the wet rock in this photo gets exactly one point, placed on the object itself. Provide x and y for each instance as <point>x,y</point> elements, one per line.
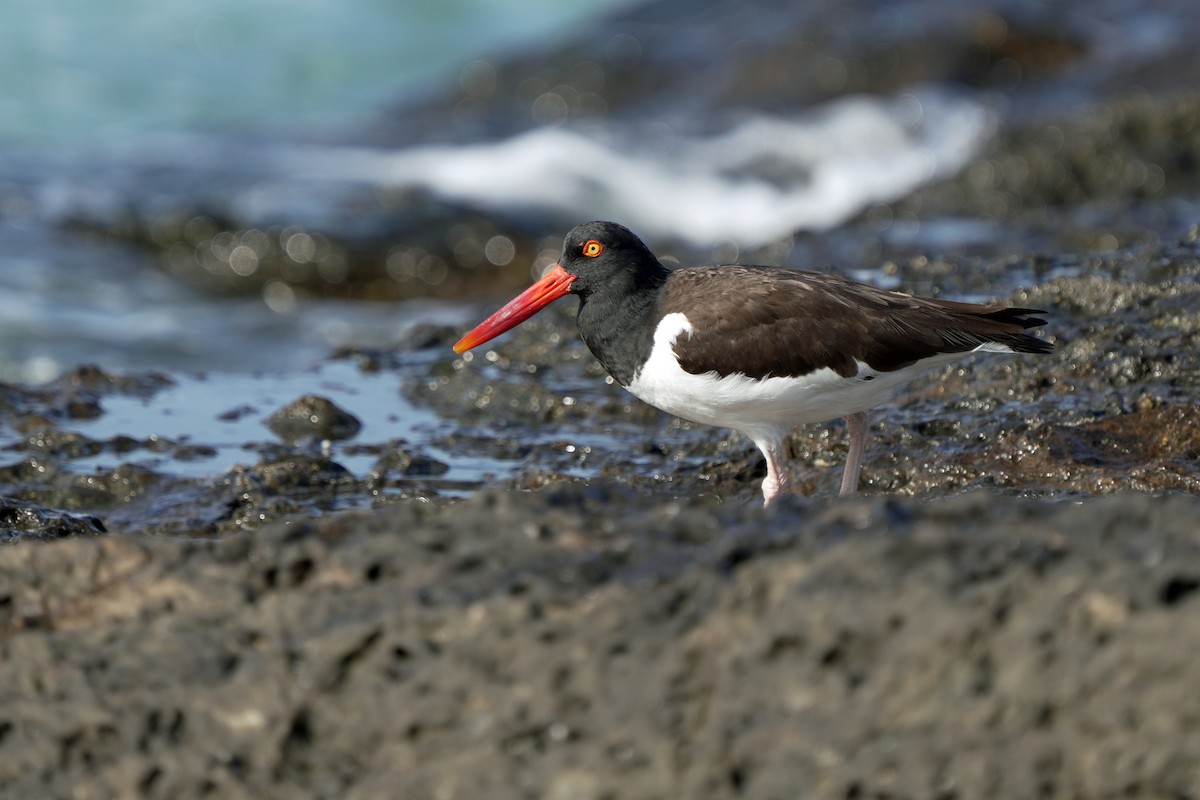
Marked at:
<point>1153,449</point>
<point>76,395</point>
<point>505,385</point>
<point>50,443</point>
<point>93,379</point>
<point>27,520</point>
<point>315,419</point>
<point>406,462</point>
<point>287,484</point>
<point>665,60</point>
<point>295,471</point>
<point>52,483</point>
<point>237,412</point>
<point>392,246</point>
<point>1133,149</point>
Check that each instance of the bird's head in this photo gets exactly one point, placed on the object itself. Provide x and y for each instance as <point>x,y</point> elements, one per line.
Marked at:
<point>596,257</point>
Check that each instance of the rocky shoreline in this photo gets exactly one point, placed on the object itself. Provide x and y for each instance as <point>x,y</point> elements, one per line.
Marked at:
<point>1004,613</point>
<point>547,589</point>
<point>1111,409</point>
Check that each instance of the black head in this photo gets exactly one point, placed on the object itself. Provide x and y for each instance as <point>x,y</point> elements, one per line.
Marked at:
<point>607,257</point>
<point>601,261</point>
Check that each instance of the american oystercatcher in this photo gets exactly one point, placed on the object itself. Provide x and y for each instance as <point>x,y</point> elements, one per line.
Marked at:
<point>757,349</point>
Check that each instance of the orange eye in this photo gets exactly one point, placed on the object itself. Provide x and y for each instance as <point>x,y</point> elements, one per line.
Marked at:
<point>592,248</point>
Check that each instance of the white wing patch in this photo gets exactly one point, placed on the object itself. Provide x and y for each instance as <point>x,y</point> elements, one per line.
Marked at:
<point>992,347</point>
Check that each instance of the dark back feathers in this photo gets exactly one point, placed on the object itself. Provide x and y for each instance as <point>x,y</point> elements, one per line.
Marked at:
<point>760,321</point>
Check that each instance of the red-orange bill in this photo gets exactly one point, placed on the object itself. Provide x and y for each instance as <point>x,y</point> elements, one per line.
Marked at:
<point>554,284</point>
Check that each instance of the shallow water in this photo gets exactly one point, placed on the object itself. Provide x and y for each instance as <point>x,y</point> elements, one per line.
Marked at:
<point>68,299</point>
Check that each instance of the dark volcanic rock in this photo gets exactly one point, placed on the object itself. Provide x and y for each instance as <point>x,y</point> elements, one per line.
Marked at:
<point>531,645</point>
<point>1136,148</point>
<point>75,395</point>
<point>411,245</point>
<point>18,519</point>
<point>313,418</point>
<point>667,59</point>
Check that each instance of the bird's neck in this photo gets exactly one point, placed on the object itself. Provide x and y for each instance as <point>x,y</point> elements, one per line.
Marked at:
<point>618,326</point>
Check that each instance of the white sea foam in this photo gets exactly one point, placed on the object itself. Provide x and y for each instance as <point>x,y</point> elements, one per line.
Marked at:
<point>760,179</point>
<point>763,178</point>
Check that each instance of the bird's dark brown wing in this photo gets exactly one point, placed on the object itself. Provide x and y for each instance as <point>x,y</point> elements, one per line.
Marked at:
<point>761,322</point>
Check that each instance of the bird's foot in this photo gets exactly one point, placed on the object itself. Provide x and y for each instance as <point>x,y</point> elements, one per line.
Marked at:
<point>774,485</point>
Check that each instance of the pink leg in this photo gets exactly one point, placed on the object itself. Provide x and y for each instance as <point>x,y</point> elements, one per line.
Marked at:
<point>776,482</point>
<point>857,428</point>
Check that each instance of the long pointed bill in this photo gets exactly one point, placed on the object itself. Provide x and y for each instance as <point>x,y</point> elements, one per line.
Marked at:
<point>554,284</point>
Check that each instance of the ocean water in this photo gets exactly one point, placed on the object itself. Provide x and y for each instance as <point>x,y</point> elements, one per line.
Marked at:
<point>75,73</point>
<point>109,105</point>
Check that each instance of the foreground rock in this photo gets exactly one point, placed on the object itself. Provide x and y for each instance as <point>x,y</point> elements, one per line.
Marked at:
<point>536,645</point>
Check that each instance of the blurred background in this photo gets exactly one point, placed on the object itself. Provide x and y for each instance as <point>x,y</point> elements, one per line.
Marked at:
<point>228,187</point>
<point>126,116</point>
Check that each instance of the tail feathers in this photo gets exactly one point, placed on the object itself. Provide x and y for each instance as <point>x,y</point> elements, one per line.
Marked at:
<point>1020,342</point>
<point>1024,343</point>
<point>1017,316</point>
<point>996,329</point>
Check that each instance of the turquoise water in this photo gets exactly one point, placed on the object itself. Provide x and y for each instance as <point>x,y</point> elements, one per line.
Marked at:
<point>98,100</point>
<point>73,72</point>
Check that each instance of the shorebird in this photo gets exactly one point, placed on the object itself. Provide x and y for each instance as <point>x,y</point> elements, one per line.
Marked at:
<point>760,350</point>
